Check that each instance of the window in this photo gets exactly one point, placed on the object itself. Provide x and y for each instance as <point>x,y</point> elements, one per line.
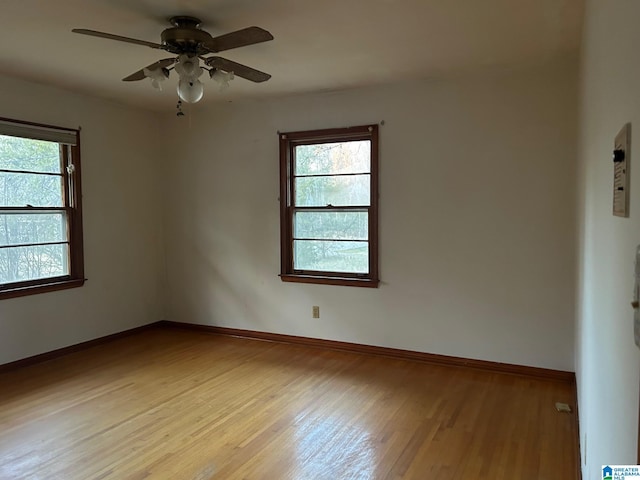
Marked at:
<point>40,209</point>
<point>329,206</point>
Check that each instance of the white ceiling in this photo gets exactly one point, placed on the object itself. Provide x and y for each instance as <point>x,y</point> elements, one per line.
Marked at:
<point>319,45</point>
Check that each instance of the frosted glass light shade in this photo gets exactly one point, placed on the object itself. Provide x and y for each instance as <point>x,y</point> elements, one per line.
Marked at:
<point>157,76</point>
<point>221,78</point>
<point>188,66</point>
<point>190,90</point>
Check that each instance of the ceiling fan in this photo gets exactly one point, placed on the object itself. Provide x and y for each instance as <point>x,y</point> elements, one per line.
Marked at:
<point>190,44</point>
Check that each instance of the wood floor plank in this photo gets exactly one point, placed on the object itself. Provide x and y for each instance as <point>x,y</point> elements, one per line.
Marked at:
<point>171,404</point>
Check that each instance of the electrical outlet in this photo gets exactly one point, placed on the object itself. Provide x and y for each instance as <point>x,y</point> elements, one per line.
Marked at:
<point>315,311</point>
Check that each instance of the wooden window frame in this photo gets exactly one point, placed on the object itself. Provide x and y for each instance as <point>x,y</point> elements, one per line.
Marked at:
<point>288,142</point>
<point>72,196</point>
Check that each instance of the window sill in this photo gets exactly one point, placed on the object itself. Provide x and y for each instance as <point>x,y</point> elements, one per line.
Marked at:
<point>47,286</point>
<point>344,281</point>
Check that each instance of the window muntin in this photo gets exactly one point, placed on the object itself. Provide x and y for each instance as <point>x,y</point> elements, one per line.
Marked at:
<point>329,206</point>
<point>40,209</point>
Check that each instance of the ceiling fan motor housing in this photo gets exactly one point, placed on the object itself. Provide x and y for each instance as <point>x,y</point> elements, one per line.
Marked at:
<point>185,37</point>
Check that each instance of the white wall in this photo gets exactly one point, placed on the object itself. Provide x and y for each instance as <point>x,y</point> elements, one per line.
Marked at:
<point>477,224</point>
<point>122,225</point>
<point>607,365</point>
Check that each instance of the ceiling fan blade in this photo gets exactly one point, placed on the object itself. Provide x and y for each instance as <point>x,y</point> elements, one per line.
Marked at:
<point>239,38</point>
<point>238,69</point>
<point>139,75</point>
<point>110,36</point>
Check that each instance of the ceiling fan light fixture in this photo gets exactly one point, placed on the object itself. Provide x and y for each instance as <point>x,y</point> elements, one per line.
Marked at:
<point>190,90</point>
<point>188,66</point>
<point>190,44</point>
<point>221,77</point>
<point>157,76</point>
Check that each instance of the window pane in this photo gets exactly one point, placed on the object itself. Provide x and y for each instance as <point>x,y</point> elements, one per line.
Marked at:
<point>18,264</point>
<point>332,158</point>
<point>18,229</point>
<point>26,154</point>
<point>21,189</point>
<point>331,256</point>
<point>331,225</point>
<point>347,191</point>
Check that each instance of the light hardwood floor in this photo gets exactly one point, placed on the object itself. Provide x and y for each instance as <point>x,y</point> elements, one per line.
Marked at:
<point>171,404</point>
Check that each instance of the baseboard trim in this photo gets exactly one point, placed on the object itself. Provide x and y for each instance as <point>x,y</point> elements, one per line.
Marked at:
<point>432,358</point>
<point>521,370</point>
<point>60,352</point>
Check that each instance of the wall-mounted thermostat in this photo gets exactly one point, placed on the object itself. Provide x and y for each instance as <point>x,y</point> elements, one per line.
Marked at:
<point>621,157</point>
